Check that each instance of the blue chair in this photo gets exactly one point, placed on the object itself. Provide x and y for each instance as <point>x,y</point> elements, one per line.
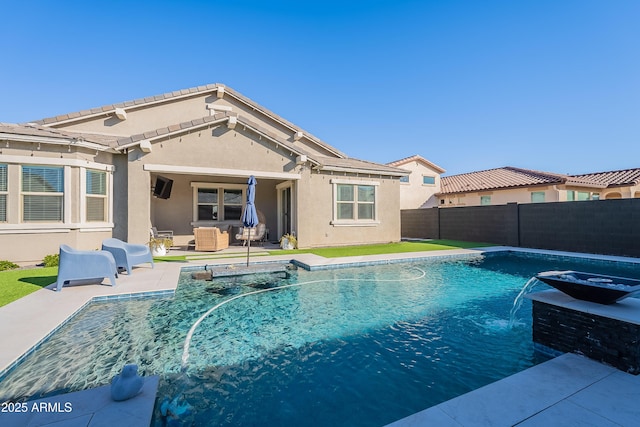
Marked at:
<point>85,267</point>
<point>127,254</point>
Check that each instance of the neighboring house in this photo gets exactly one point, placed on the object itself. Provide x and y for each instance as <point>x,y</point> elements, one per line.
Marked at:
<point>81,177</point>
<point>419,188</point>
<point>515,185</point>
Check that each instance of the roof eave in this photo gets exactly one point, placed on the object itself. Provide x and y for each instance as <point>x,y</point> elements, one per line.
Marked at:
<point>359,171</point>
<point>65,141</point>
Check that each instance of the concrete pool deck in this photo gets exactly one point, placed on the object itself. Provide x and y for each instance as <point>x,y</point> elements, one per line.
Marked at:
<point>533,397</point>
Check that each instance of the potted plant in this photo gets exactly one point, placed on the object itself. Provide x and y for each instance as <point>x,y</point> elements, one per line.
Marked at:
<point>160,245</point>
<point>288,241</point>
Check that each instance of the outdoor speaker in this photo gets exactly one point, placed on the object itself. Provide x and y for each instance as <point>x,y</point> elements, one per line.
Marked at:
<point>162,189</point>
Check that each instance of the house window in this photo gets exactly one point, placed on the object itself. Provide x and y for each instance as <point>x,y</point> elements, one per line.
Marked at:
<point>429,180</point>
<point>3,193</point>
<point>485,200</point>
<point>207,204</point>
<point>218,202</point>
<point>537,197</point>
<point>42,193</point>
<point>571,195</point>
<point>584,195</point>
<point>404,179</point>
<point>354,202</point>
<point>96,196</point>
<point>232,204</point>
<point>596,196</point>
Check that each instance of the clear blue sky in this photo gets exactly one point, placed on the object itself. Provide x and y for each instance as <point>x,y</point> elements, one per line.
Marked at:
<point>541,84</point>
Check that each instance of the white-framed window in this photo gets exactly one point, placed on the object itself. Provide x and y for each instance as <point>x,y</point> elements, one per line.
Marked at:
<point>485,200</point>
<point>404,179</point>
<point>232,202</point>
<point>42,193</point>
<point>581,195</point>
<point>218,202</point>
<point>97,199</point>
<point>428,180</point>
<point>537,196</point>
<point>3,192</point>
<point>355,202</point>
<point>207,201</point>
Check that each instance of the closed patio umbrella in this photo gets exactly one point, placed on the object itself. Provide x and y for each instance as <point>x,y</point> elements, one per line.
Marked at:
<point>250,215</point>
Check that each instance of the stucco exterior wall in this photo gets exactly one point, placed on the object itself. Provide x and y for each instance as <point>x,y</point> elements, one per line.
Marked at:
<point>31,248</point>
<point>501,197</point>
<point>415,194</point>
<point>143,119</point>
<point>175,111</point>
<point>29,241</point>
<point>553,193</point>
<point>214,148</point>
<point>315,196</point>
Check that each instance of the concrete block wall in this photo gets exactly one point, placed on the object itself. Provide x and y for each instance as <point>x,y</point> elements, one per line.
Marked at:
<point>491,224</point>
<point>420,223</point>
<point>609,227</point>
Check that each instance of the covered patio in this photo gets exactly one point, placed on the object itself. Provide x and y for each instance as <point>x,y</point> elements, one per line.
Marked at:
<point>217,198</point>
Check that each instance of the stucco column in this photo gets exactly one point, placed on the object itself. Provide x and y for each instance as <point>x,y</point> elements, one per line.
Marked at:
<point>139,208</point>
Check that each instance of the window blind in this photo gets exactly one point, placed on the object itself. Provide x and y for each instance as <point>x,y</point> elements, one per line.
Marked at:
<point>42,179</point>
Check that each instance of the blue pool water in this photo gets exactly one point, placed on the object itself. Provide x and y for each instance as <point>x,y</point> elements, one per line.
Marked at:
<point>352,346</point>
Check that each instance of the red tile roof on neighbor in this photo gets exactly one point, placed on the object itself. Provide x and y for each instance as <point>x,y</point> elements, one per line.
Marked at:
<point>510,177</point>
<point>613,178</point>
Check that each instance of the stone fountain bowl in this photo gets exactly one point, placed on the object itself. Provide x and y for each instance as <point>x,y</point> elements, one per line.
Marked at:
<point>598,288</point>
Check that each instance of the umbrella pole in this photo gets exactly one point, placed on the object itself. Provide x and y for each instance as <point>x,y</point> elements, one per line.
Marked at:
<point>248,246</point>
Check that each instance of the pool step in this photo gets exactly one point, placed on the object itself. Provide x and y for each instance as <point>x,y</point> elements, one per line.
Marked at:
<point>237,270</point>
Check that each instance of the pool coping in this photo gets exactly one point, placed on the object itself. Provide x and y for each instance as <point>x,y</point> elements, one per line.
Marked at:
<point>25,336</point>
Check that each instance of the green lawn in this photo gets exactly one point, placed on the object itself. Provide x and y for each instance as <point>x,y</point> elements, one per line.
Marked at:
<point>386,248</point>
<point>14,284</point>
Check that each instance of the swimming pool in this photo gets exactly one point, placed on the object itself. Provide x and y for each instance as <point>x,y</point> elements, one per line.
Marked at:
<point>352,346</point>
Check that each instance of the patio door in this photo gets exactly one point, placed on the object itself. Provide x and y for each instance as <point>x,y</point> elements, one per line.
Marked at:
<point>285,209</point>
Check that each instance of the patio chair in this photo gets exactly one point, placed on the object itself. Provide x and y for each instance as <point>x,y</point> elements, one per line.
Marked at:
<point>161,234</point>
<point>210,239</point>
<point>127,254</point>
<point>258,234</point>
<point>85,267</point>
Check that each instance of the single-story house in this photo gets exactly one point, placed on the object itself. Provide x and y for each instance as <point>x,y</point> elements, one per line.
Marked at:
<point>515,185</point>
<point>419,188</point>
<point>181,160</point>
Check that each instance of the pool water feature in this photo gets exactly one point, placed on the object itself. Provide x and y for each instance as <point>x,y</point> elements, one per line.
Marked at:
<point>359,346</point>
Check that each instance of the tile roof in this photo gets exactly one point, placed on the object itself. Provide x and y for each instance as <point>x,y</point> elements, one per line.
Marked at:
<point>322,162</point>
<point>52,121</point>
<point>613,178</point>
<point>128,104</point>
<point>35,130</point>
<point>416,158</point>
<point>184,126</point>
<point>510,177</point>
<point>359,166</point>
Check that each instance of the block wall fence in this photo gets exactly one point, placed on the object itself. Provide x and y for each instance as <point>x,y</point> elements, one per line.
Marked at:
<point>608,227</point>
